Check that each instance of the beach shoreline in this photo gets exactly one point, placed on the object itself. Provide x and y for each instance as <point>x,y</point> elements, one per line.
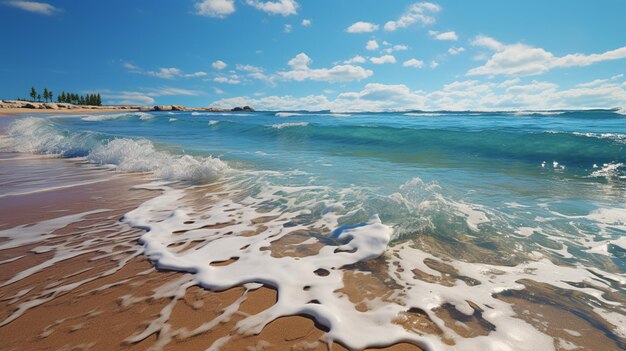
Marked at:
<point>51,285</point>
<point>119,292</point>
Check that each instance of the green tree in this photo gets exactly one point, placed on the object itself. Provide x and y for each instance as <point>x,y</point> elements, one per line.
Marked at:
<point>98,100</point>
<point>33,93</point>
<point>39,97</point>
<point>45,94</point>
<point>50,95</point>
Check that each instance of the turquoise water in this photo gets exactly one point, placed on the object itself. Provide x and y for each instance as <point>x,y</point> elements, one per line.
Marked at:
<point>485,189</point>
<point>515,167</point>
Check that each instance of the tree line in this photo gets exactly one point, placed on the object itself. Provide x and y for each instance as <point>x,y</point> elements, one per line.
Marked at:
<point>71,98</point>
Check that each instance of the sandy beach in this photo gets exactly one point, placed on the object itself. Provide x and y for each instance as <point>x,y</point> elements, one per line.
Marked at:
<point>89,287</point>
<point>110,296</point>
<point>9,112</point>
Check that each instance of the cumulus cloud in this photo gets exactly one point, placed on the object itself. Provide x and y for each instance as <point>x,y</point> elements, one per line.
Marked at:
<point>372,45</point>
<point>279,7</point>
<point>215,8</point>
<point>362,27</point>
<point>288,28</point>
<point>41,8</point>
<point>383,59</point>
<point>419,12</point>
<point>487,42</point>
<point>521,59</point>
<point>457,95</point>
<point>227,80</point>
<point>414,63</point>
<point>392,48</point>
<point>443,36</point>
<point>300,71</point>
<point>455,51</point>
<point>306,23</point>
<point>219,64</point>
<point>355,59</point>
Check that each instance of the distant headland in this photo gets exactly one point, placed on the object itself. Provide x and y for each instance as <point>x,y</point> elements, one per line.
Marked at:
<point>19,106</point>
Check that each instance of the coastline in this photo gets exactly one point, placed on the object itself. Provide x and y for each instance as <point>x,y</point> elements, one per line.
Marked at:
<point>136,297</point>
<point>15,107</point>
<point>109,295</point>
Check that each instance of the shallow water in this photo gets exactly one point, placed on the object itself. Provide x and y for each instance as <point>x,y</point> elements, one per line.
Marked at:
<point>447,211</point>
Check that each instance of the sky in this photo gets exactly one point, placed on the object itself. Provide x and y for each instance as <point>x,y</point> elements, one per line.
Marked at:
<point>347,55</point>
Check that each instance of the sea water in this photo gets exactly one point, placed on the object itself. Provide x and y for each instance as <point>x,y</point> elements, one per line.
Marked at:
<point>455,210</point>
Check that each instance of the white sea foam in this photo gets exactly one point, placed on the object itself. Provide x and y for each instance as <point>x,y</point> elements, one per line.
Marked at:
<point>36,135</point>
<point>611,170</point>
<point>140,156</point>
<point>424,114</point>
<point>291,114</point>
<point>290,124</point>
<point>173,119</point>
<point>221,114</point>
<point>112,116</point>
<point>621,138</point>
<point>213,122</point>
<point>319,278</point>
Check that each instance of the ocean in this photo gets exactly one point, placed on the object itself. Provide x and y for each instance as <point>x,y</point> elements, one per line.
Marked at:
<point>443,219</point>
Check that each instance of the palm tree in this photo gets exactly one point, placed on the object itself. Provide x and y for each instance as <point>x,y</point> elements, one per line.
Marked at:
<point>33,93</point>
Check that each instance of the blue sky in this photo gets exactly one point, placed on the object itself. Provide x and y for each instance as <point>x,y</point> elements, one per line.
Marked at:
<point>320,54</point>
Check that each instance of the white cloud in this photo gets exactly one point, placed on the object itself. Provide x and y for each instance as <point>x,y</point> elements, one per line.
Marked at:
<point>443,36</point>
<point>215,8</point>
<point>288,28</point>
<point>219,64</point>
<point>218,91</point>
<point>167,91</point>
<point>144,97</point>
<point>419,12</point>
<point>41,8</point>
<point>458,95</point>
<point>521,59</point>
<point>249,68</point>
<point>453,50</point>
<point>393,48</point>
<point>306,23</point>
<point>165,73</point>
<point>131,67</point>
<point>362,27</point>
<point>355,59</point>
<point>414,63</point>
<point>433,64</point>
<point>227,80</point>
<point>487,42</point>
<point>279,7</point>
<point>372,45</point>
<point>195,74</point>
<point>128,98</point>
<point>300,71</point>
<point>383,59</point>
<point>597,82</point>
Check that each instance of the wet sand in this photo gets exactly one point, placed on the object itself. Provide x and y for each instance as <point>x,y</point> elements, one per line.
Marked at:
<point>109,296</point>
<point>106,299</point>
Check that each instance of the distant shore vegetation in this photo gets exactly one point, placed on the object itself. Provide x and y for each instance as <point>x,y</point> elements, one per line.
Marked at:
<point>69,98</point>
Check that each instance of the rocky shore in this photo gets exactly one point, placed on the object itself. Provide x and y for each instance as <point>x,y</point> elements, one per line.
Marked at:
<point>30,105</point>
